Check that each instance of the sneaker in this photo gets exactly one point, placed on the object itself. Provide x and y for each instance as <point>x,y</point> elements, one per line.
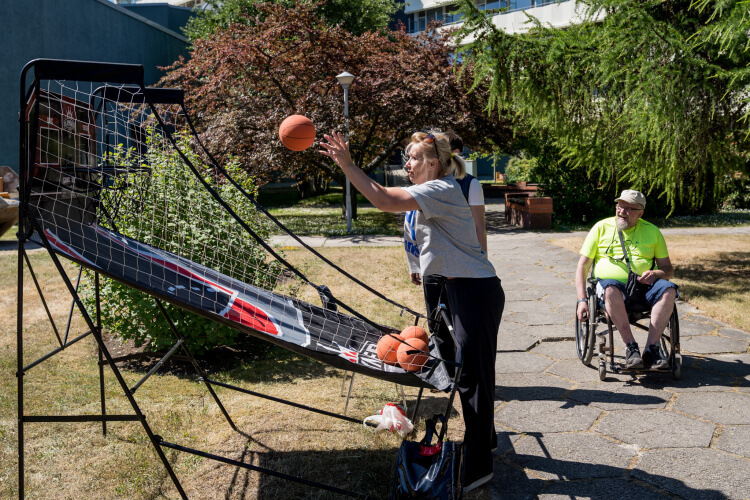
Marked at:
<point>477,483</point>
<point>633,360</point>
<point>652,358</point>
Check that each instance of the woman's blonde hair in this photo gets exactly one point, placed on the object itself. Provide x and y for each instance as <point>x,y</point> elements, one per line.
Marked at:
<point>438,146</point>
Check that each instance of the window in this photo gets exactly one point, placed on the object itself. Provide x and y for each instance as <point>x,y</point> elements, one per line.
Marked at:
<point>451,14</point>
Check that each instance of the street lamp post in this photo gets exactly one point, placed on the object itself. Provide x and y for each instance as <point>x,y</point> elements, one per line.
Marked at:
<point>346,79</point>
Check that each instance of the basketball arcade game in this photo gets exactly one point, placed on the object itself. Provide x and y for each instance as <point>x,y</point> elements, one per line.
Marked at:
<point>92,142</point>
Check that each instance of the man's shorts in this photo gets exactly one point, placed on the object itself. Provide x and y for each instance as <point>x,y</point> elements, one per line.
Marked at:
<point>653,293</point>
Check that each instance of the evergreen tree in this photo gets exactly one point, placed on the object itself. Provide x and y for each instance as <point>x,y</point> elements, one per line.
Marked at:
<point>644,94</point>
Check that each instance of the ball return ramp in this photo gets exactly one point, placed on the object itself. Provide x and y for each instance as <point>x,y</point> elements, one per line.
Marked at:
<point>101,158</point>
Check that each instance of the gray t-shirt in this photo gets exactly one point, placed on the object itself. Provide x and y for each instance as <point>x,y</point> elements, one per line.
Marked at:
<point>440,238</point>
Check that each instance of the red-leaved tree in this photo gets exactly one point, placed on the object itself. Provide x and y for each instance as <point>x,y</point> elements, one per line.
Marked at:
<point>242,81</point>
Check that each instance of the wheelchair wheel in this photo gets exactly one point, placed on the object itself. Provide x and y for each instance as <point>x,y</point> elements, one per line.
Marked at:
<point>670,344</point>
<point>586,330</point>
<point>602,369</point>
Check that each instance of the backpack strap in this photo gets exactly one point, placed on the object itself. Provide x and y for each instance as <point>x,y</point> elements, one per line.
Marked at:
<point>465,183</point>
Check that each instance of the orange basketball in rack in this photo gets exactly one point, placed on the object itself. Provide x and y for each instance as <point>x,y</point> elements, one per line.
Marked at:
<point>387,348</point>
<point>415,332</point>
<point>413,354</point>
<point>297,132</point>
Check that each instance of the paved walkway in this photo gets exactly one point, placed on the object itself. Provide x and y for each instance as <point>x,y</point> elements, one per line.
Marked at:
<point>563,433</point>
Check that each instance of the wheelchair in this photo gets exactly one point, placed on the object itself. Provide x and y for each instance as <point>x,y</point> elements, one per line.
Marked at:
<point>587,336</point>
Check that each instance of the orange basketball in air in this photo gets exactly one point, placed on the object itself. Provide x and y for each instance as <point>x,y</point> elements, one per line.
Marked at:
<point>297,132</point>
<point>413,354</point>
<point>388,348</point>
<point>415,332</point>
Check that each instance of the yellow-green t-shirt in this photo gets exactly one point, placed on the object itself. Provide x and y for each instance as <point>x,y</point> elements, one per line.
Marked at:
<point>644,243</point>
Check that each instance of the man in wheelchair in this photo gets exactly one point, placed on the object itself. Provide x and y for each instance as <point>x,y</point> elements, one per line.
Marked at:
<point>615,245</point>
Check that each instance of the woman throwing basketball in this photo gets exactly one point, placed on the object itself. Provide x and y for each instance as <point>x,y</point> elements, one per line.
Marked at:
<point>444,242</point>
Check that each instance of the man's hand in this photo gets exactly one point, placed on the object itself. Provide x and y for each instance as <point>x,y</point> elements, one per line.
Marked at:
<point>650,277</point>
<point>416,278</point>
<point>582,311</point>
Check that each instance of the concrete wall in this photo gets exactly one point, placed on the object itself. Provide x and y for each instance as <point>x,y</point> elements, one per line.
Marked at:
<point>91,30</point>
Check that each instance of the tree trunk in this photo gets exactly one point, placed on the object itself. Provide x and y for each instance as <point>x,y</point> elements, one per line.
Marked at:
<point>353,197</point>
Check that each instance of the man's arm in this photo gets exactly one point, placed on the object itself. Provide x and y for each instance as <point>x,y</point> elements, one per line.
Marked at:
<point>582,270</point>
<point>665,272</point>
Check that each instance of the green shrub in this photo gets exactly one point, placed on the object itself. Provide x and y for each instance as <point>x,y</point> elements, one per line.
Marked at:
<point>577,198</point>
<point>522,169</point>
<point>167,207</point>
<point>737,188</point>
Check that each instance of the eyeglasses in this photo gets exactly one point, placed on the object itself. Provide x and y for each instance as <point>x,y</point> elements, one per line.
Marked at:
<point>627,209</point>
<point>430,139</point>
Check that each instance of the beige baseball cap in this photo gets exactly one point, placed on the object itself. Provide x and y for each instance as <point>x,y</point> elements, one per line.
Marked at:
<point>633,197</point>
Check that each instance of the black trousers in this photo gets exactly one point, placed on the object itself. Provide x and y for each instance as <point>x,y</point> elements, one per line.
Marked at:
<point>475,307</point>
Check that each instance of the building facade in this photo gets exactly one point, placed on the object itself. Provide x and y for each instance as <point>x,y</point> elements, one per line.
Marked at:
<point>512,18</point>
<point>88,30</point>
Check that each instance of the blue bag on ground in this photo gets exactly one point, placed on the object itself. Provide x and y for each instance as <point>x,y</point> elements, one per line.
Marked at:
<point>425,470</point>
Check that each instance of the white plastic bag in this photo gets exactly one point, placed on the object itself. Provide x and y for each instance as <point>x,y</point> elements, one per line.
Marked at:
<point>391,418</point>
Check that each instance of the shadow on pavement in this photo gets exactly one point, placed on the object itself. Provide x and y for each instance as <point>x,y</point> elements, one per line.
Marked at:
<point>514,478</point>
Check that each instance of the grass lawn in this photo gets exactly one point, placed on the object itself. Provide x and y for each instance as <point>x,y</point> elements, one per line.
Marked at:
<point>723,218</point>
<point>10,235</point>
<point>65,460</point>
<point>322,215</point>
<point>712,271</point>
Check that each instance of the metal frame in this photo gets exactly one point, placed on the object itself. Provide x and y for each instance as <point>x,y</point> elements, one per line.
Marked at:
<point>29,226</point>
<point>586,337</point>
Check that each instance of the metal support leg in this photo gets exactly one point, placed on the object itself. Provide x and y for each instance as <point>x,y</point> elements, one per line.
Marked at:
<point>99,351</point>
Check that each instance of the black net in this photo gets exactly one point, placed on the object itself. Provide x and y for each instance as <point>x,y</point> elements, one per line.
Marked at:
<point>117,180</point>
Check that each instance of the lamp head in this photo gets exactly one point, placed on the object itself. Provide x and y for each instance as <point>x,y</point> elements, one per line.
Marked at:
<point>345,79</point>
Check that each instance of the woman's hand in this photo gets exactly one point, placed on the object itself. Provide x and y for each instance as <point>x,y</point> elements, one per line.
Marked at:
<point>337,149</point>
<point>416,278</point>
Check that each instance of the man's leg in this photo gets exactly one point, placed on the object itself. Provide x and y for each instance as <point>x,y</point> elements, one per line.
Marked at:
<point>614,303</point>
<point>660,314</point>
<point>615,306</point>
<point>662,296</point>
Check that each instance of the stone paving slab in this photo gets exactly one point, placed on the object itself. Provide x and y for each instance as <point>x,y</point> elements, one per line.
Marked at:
<point>517,343</point>
<point>540,316</point>
<point>728,408</point>
<point>598,488</point>
<point>691,473</point>
<point>734,439</point>
<point>574,370</point>
<point>737,365</point>
<point>619,396</point>
<point>520,362</point>
<point>546,416</point>
<point>586,456</point>
<point>656,429</point>
<point>733,333</point>
<point>560,350</point>
<point>530,387</point>
<point>693,327</point>
<point>694,380</point>
<point>556,332</point>
<point>712,344</point>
